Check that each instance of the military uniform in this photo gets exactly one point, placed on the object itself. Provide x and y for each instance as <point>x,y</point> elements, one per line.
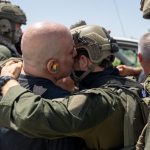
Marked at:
<point>7,50</point>
<point>89,114</point>
<point>10,15</point>
<point>145,136</point>
<point>145,7</point>
<point>147,84</point>
<point>4,53</point>
<point>146,145</point>
<point>47,89</point>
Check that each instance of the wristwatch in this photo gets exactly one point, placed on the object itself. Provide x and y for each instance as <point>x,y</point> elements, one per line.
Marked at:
<point>4,80</point>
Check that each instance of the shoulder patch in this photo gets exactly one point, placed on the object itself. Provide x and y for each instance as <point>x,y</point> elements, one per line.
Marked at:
<point>39,90</point>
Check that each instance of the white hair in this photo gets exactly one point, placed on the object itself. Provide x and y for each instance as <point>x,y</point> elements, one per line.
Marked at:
<point>144,46</point>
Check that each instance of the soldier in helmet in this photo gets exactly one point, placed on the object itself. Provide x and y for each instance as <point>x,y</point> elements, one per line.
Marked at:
<point>107,117</point>
<point>11,19</point>
<point>95,54</point>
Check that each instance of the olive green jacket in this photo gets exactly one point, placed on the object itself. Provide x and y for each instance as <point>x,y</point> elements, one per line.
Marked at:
<point>147,137</point>
<point>5,53</point>
<point>8,51</point>
<point>96,115</point>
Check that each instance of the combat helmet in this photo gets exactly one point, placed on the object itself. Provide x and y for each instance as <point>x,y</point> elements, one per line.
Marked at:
<point>96,40</point>
<point>10,15</point>
<point>145,7</point>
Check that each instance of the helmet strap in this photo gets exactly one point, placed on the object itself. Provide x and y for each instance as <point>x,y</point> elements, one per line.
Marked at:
<point>90,69</point>
<point>13,25</point>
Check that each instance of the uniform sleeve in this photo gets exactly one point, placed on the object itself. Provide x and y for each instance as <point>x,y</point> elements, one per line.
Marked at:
<point>147,137</point>
<point>5,53</point>
<point>34,116</point>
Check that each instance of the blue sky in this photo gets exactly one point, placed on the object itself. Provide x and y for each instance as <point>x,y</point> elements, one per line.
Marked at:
<point>122,17</point>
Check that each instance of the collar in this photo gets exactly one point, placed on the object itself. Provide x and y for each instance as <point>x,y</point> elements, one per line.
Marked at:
<point>93,80</point>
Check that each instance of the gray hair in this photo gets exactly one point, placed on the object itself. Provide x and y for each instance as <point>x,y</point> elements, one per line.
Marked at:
<point>144,46</point>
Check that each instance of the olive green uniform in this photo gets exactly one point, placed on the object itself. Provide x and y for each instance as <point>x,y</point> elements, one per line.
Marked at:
<point>147,136</point>
<point>145,8</point>
<point>147,84</point>
<point>6,53</point>
<point>10,15</point>
<point>7,49</point>
<point>96,115</point>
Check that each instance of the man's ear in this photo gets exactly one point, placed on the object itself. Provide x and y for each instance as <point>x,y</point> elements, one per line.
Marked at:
<point>83,62</point>
<point>140,57</point>
<point>52,66</point>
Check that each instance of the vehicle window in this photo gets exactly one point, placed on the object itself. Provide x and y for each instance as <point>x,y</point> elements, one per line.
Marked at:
<point>127,57</point>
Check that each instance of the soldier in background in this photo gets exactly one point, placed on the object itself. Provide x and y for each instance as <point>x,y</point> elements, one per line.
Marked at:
<point>144,139</point>
<point>144,58</point>
<point>11,19</point>
<point>133,71</point>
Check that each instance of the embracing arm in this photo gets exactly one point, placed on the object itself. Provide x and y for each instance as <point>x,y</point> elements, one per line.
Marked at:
<point>34,116</point>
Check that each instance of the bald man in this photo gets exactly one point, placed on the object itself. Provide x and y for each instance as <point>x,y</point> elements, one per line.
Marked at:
<point>48,52</point>
<point>48,55</point>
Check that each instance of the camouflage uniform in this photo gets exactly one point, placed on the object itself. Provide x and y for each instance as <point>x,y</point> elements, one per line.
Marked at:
<point>147,84</point>
<point>143,142</point>
<point>10,15</point>
<point>145,8</point>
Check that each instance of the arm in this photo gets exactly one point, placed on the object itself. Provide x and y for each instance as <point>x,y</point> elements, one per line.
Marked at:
<point>38,117</point>
<point>10,68</point>
<point>129,71</point>
<point>5,53</point>
<point>34,116</point>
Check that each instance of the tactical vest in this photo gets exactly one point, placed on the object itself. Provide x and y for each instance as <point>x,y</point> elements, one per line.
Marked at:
<point>132,127</point>
<point>124,125</point>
